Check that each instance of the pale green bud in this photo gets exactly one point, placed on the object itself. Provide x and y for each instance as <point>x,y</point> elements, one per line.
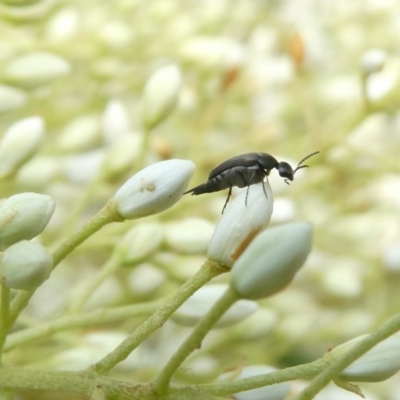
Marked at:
<point>140,242</point>
<point>19,143</point>
<point>25,265</point>
<point>63,25</point>
<point>373,61</point>
<point>80,134</point>
<point>160,95</point>
<point>272,260</point>
<point>153,189</point>
<point>376,365</point>
<point>115,122</point>
<point>273,392</point>
<point>11,98</point>
<point>189,235</point>
<point>24,216</point>
<point>120,155</point>
<point>36,68</point>
<point>197,306</point>
<point>241,223</point>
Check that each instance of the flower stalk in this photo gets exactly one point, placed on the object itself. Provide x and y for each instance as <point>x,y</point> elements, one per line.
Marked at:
<point>208,271</point>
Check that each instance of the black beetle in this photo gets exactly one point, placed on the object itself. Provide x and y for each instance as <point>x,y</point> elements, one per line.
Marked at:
<point>245,170</point>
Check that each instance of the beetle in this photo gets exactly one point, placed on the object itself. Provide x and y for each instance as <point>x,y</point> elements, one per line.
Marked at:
<point>246,170</point>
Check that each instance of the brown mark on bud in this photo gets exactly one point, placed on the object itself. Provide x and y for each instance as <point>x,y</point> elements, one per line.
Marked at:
<point>243,245</point>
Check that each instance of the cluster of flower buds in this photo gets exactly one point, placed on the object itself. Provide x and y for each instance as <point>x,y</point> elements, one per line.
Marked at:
<point>265,265</point>
<point>24,264</point>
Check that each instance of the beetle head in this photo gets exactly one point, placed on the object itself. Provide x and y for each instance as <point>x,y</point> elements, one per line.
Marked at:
<point>286,171</point>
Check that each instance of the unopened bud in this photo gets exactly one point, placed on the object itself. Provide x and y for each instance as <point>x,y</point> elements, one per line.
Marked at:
<point>153,189</point>
<point>19,144</point>
<point>36,68</point>
<point>24,216</point>
<point>160,95</point>
<point>120,155</point>
<point>373,61</point>
<point>272,260</point>
<point>140,242</point>
<point>115,122</point>
<point>376,365</point>
<point>241,223</point>
<point>25,265</point>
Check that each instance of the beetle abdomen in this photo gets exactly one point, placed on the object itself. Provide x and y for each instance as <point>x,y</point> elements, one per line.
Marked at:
<point>213,185</point>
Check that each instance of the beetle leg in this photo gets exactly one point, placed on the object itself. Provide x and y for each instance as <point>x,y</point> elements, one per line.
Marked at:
<point>247,193</point>
<point>227,199</point>
<point>264,189</point>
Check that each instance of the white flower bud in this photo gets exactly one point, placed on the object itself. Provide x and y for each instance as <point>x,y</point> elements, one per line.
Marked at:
<point>63,26</point>
<point>160,95</point>
<point>189,235</point>
<point>213,53</point>
<point>36,68</point>
<point>240,223</point>
<point>391,257</point>
<point>24,216</point>
<point>273,392</point>
<point>140,241</point>
<point>197,306</point>
<point>376,365</point>
<point>272,260</point>
<point>373,61</point>
<point>153,189</point>
<point>80,134</point>
<point>19,143</point>
<point>25,265</point>
<point>120,155</point>
<point>11,98</point>
<point>115,122</point>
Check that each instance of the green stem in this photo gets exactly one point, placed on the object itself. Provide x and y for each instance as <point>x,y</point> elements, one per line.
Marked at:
<point>102,218</point>
<point>364,91</point>
<point>4,316</point>
<point>85,383</point>
<point>105,216</point>
<point>193,341</point>
<point>209,270</point>
<point>305,371</point>
<point>109,267</point>
<point>87,319</point>
<point>389,328</point>
<point>141,160</point>
<point>80,205</point>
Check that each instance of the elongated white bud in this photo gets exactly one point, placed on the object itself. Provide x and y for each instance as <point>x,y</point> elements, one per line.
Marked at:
<point>19,144</point>
<point>24,216</point>
<point>376,365</point>
<point>36,68</point>
<point>140,242</point>
<point>160,95</point>
<point>241,223</point>
<point>153,189</point>
<point>25,265</point>
<point>272,260</point>
<point>373,61</point>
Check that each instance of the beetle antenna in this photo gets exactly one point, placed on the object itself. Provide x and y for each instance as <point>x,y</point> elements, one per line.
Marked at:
<point>299,166</point>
